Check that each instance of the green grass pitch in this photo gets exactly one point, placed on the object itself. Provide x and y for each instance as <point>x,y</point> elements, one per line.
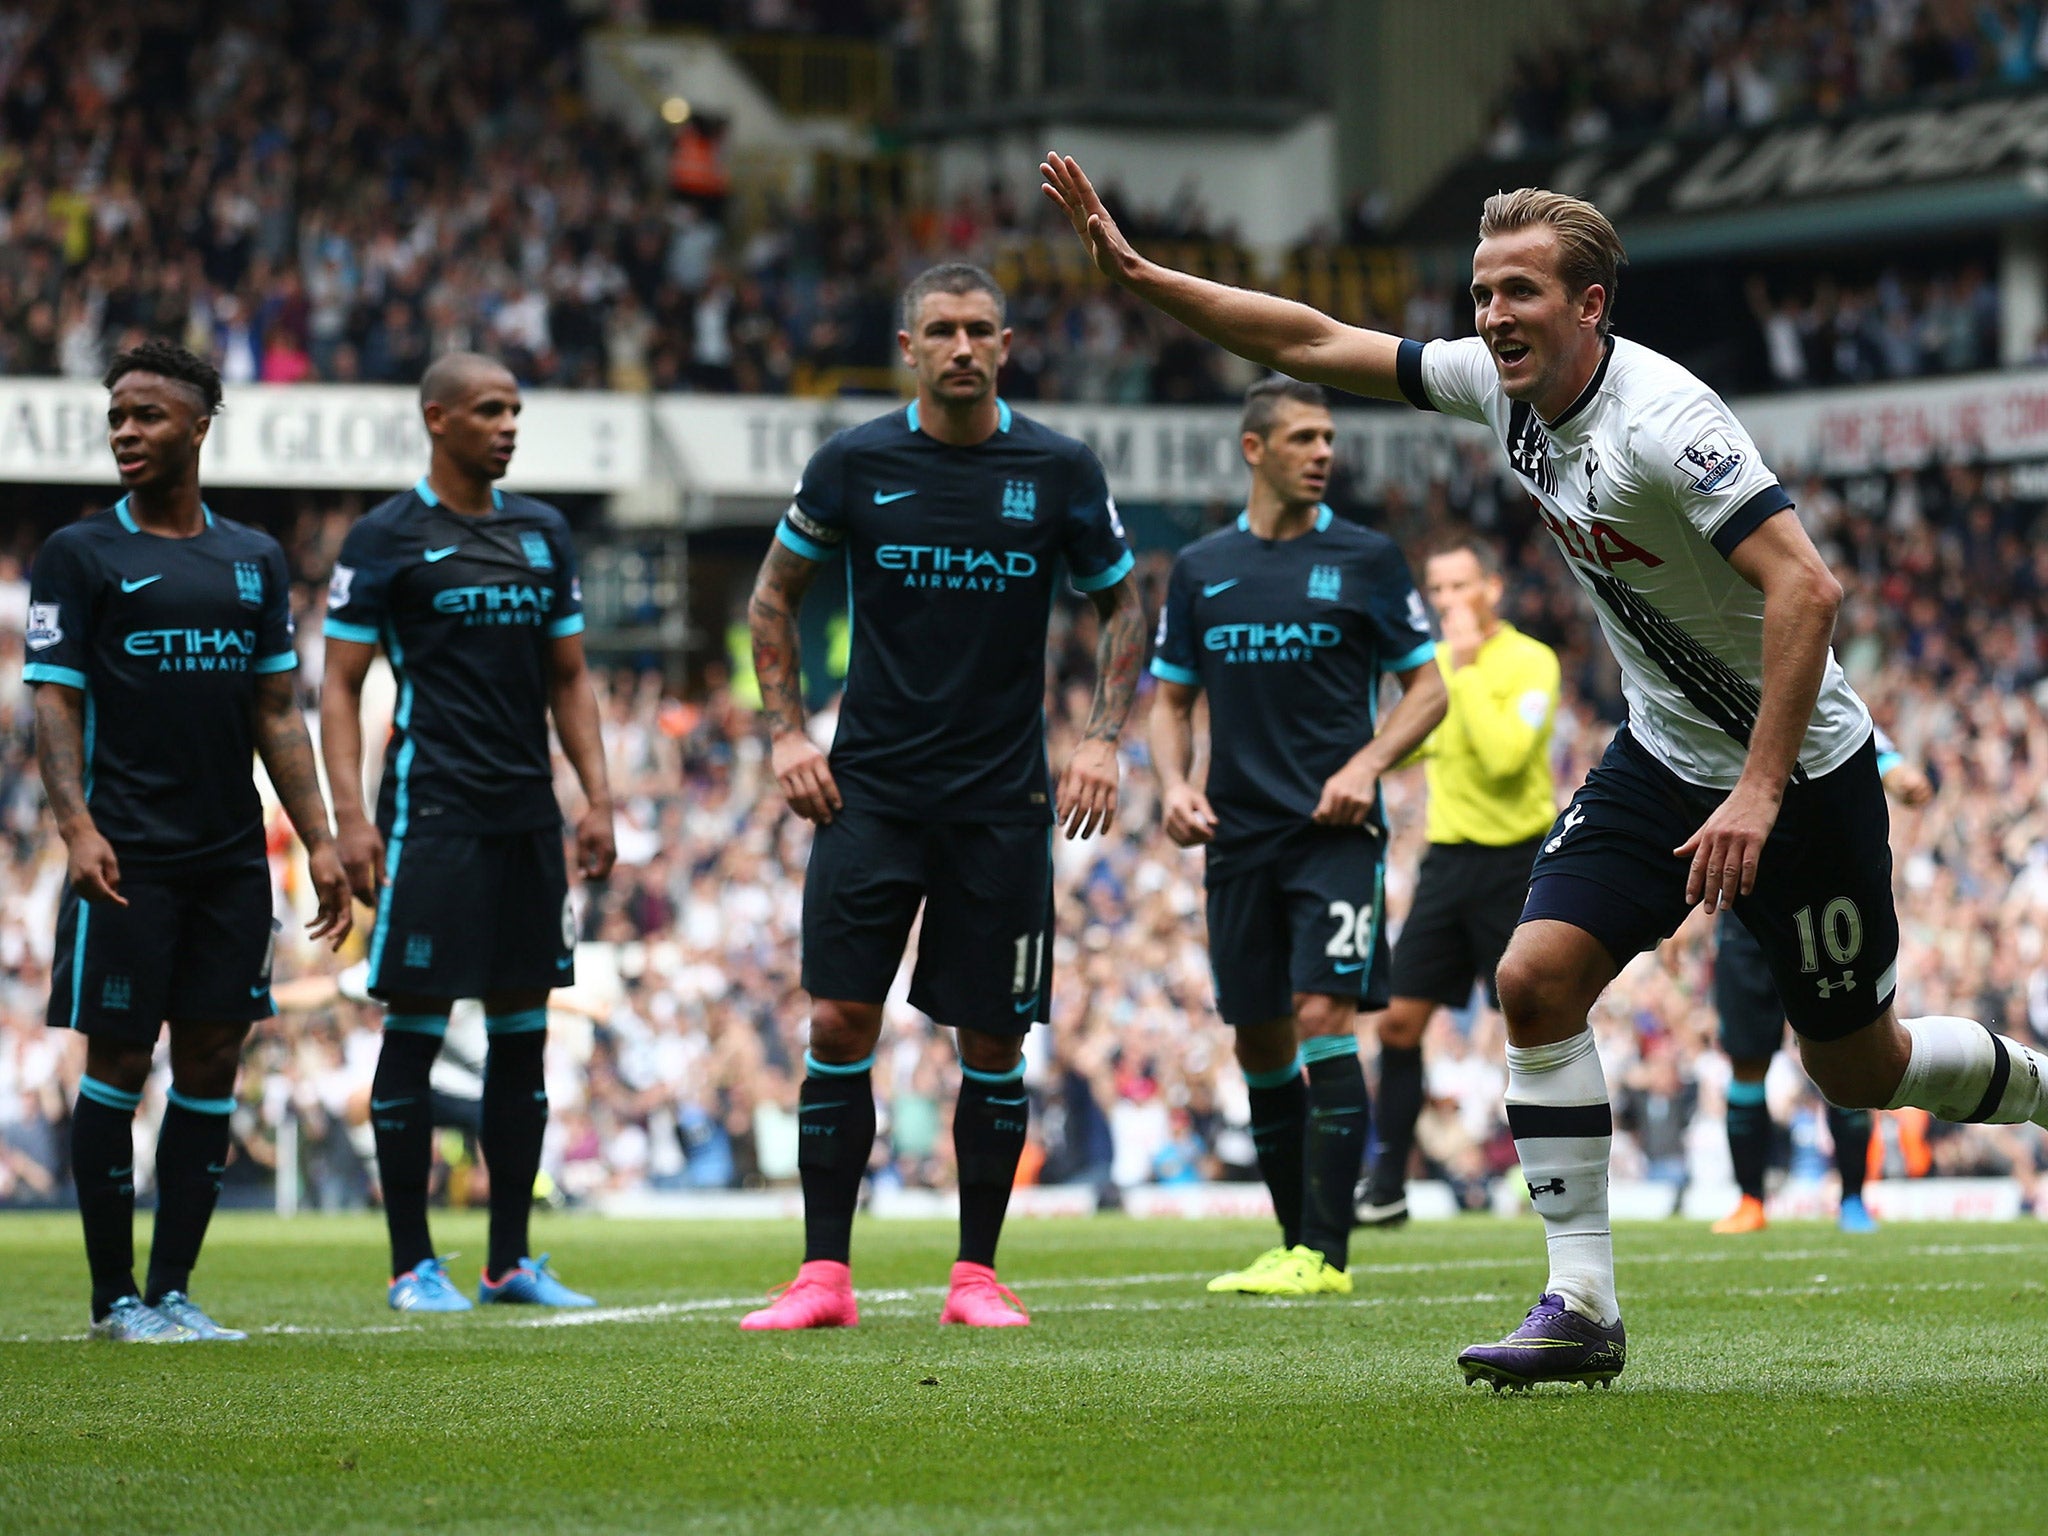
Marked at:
<point>1799,1381</point>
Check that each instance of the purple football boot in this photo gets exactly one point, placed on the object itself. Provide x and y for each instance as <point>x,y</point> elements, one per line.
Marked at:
<point>1554,1343</point>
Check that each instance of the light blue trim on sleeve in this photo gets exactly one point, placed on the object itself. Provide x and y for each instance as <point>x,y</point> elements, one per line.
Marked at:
<point>1886,761</point>
<point>45,672</point>
<point>1415,658</point>
<point>561,629</point>
<point>341,629</point>
<point>789,538</point>
<point>283,661</point>
<point>1108,578</point>
<point>1185,676</point>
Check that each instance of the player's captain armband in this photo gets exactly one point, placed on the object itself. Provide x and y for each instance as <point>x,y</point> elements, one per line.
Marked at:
<point>817,532</point>
<point>338,586</point>
<point>45,628</point>
<point>1711,460</point>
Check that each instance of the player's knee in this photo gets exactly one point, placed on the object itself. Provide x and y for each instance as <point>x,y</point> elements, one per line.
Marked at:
<point>990,1053</point>
<point>1401,1026</point>
<point>1317,1014</point>
<point>205,1068</point>
<point>1268,1047</point>
<point>118,1064</point>
<point>1534,993</point>
<point>844,1032</point>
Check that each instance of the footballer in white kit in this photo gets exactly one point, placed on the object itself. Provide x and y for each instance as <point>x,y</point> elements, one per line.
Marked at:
<point>1746,776</point>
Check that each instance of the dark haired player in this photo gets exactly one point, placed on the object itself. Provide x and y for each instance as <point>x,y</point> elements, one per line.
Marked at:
<point>1287,619</point>
<point>160,644</point>
<point>1746,776</point>
<point>474,597</point>
<point>1753,1030</point>
<point>954,516</point>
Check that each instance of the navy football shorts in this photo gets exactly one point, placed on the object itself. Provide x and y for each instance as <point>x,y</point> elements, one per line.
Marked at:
<point>1468,899</point>
<point>1822,909</point>
<point>1308,919</point>
<point>984,954</point>
<point>191,949</point>
<point>1745,995</point>
<point>467,915</point>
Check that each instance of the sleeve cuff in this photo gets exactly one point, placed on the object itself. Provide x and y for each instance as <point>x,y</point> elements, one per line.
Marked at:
<point>562,629</point>
<point>1750,516</point>
<point>1166,671</point>
<point>791,539</point>
<point>43,672</point>
<point>1101,579</point>
<point>340,629</point>
<point>1887,761</point>
<point>1408,374</point>
<point>1415,658</point>
<point>283,661</point>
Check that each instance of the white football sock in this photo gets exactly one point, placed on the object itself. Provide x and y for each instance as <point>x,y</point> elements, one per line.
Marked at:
<point>1564,1130</point>
<point>1961,1071</point>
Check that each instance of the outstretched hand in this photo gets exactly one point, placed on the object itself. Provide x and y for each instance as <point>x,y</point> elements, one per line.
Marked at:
<point>1069,187</point>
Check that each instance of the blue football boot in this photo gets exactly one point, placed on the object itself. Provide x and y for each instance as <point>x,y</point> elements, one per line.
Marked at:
<point>182,1310</point>
<point>531,1284</point>
<point>1554,1343</point>
<point>130,1322</point>
<point>1856,1217</point>
<point>426,1288</point>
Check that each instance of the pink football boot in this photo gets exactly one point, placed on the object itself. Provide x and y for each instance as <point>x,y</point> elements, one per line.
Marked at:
<point>980,1300</point>
<point>821,1296</point>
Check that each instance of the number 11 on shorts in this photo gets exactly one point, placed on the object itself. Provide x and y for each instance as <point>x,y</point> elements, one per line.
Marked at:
<point>1028,976</point>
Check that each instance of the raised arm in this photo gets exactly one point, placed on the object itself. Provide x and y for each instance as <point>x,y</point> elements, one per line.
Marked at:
<point>341,746</point>
<point>287,754</point>
<point>1086,799</point>
<point>1280,334</point>
<point>573,702</point>
<point>93,870</point>
<point>800,768</point>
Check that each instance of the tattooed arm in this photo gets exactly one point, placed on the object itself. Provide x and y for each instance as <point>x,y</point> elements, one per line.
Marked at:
<point>800,768</point>
<point>1086,802</point>
<point>94,872</point>
<point>287,753</point>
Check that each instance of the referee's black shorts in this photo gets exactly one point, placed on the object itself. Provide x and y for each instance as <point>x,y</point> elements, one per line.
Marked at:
<point>1468,900</point>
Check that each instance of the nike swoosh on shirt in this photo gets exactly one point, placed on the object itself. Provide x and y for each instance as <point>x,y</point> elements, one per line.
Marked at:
<point>1346,970</point>
<point>882,499</point>
<point>377,1106</point>
<point>262,991</point>
<point>1026,1006</point>
<point>441,554</point>
<point>137,586</point>
<point>1219,586</point>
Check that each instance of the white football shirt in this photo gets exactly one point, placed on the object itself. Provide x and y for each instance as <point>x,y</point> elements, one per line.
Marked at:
<point>1647,483</point>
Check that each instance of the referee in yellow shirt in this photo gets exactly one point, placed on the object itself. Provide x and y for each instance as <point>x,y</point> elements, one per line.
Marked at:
<point>1491,800</point>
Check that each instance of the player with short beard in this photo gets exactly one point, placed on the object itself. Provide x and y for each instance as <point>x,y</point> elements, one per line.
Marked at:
<point>954,516</point>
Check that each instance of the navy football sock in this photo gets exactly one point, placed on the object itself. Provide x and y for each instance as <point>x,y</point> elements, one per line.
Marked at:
<point>103,1169</point>
<point>191,1155</point>
<point>988,1138</point>
<point>1749,1135</point>
<point>515,1123</point>
<point>1279,1104</point>
<point>402,1118</point>
<point>836,1132</point>
<point>1851,1131</point>
<point>1400,1105</point>
<point>1339,1116</point>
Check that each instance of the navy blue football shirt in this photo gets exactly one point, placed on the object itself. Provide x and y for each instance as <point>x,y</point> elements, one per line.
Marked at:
<point>465,608</point>
<point>951,564</point>
<point>166,638</point>
<point>1289,637</point>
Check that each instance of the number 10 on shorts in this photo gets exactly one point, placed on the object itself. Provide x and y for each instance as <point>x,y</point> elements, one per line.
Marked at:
<point>1029,974</point>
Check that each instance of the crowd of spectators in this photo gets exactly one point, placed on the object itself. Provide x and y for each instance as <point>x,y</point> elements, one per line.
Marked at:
<point>1819,331</point>
<point>675,1061</point>
<point>337,193</point>
<point>1648,66</point>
